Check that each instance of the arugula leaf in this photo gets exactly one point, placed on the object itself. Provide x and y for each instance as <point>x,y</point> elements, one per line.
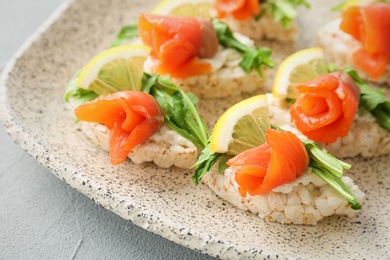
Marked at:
<point>290,101</point>
<point>126,33</point>
<point>78,95</point>
<point>253,58</point>
<point>206,161</point>
<point>382,114</point>
<point>373,100</point>
<point>325,160</point>
<point>330,169</point>
<point>223,162</point>
<point>284,10</point>
<point>337,184</point>
<point>180,112</point>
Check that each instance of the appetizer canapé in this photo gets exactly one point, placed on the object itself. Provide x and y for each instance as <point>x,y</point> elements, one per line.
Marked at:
<point>261,19</point>
<point>360,38</point>
<point>272,172</point>
<point>134,114</point>
<point>203,56</point>
<point>338,109</point>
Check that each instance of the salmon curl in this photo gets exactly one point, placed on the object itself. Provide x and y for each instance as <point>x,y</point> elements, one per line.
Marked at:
<point>239,9</point>
<point>370,25</point>
<point>326,107</point>
<point>178,43</point>
<point>131,116</point>
<point>280,160</point>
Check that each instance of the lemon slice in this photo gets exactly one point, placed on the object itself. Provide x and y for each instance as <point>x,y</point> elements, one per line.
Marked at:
<point>193,8</point>
<point>116,69</point>
<point>300,67</point>
<point>350,3</point>
<point>241,127</point>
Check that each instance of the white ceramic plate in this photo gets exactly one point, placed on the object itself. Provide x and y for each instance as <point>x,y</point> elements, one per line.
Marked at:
<point>165,201</point>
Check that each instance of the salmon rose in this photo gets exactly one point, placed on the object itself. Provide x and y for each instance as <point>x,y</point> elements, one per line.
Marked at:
<point>326,107</point>
<point>131,116</point>
<point>178,44</point>
<point>239,9</point>
<point>281,159</point>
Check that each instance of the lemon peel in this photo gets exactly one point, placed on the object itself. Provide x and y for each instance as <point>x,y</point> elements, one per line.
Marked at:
<point>300,67</point>
<point>116,69</point>
<point>241,127</point>
<point>193,8</point>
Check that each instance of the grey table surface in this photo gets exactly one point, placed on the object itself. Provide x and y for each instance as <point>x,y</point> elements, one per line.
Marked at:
<point>42,217</point>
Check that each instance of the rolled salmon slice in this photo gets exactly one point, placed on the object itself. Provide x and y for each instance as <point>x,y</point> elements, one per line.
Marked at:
<point>131,116</point>
<point>239,9</point>
<point>326,107</point>
<point>369,25</point>
<point>278,161</point>
<point>178,43</point>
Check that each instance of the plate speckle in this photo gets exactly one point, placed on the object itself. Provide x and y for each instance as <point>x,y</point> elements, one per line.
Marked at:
<point>165,201</point>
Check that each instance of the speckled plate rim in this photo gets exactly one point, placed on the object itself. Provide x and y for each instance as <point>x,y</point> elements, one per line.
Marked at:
<point>188,237</point>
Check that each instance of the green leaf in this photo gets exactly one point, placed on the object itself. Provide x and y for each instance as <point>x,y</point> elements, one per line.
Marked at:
<point>372,100</point>
<point>148,81</point>
<point>253,58</point>
<point>126,33</point>
<point>290,101</point>
<point>78,95</point>
<point>204,164</point>
<point>331,67</point>
<point>193,98</point>
<point>284,11</point>
<point>222,162</point>
<point>330,169</point>
<point>180,113</point>
<point>336,183</point>
<point>382,114</point>
<point>325,160</point>
<point>165,101</point>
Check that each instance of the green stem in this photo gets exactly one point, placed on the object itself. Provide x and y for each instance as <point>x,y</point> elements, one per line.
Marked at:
<point>336,183</point>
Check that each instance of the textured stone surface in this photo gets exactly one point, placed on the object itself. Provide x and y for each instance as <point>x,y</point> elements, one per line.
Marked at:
<point>163,201</point>
<point>41,217</point>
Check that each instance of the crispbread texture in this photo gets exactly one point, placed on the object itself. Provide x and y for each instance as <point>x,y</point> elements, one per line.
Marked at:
<point>165,148</point>
<point>263,28</point>
<point>365,137</point>
<point>306,200</point>
<point>339,47</point>
<point>226,79</point>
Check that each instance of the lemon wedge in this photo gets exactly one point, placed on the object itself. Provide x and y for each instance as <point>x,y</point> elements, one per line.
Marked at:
<point>193,8</point>
<point>300,67</point>
<point>241,127</point>
<point>350,3</point>
<point>116,69</point>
